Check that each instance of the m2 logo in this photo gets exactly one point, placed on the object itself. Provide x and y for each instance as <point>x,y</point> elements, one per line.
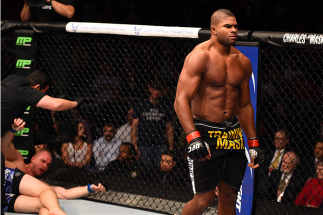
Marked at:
<point>24,152</point>
<point>194,147</point>
<point>23,133</point>
<point>23,64</point>
<point>21,41</point>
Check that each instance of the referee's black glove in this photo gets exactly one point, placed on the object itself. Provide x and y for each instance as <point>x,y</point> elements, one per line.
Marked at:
<point>197,148</point>
<point>79,101</point>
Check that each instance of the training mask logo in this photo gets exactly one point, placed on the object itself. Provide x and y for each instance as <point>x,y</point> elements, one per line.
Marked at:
<point>137,30</point>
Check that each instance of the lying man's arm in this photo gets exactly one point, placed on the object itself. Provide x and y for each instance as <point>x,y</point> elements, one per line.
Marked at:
<point>8,149</point>
<point>77,192</point>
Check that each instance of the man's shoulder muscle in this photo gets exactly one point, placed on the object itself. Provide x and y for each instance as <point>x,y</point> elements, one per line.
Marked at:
<point>197,60</point>
<point>17,163</point>
<point>244,60</point>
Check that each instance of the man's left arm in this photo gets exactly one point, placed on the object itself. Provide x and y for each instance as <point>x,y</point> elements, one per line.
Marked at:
<point>78,192</point>
<point>62,9</point>
<point>170,135</point>
<point>246,112</point>
<point>246,117</point>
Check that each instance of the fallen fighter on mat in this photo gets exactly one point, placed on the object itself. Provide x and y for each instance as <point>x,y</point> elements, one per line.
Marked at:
<point>15,169</point>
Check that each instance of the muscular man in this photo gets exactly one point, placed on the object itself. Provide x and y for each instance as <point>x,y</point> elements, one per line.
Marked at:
<point>54,10</point>
<point>15,183</point>
<point>17,93</point>
<point>218,78</point>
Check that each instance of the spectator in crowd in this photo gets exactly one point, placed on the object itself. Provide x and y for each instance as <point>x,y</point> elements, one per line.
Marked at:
<point>60,122</point>
<point>105,84</point>
<point>54,10</point>
<point>78,152</point>
<point>150,119</point>
<point>318,151</point>
<point>115,109</point>
<point>274,155</point>
<point>275,152</point>
<point>126,164</point>
<point>312,193</point>
<point>106,148</point>
<point>76,117</point>
<point>168,172</point>
<point>309,166</point>
<point>132,82</point>
<point>280,142</point>
<point>287,182</point>
<point>124,132</point>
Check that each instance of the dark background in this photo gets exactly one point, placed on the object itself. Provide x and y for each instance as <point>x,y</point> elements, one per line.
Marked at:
<point>275,15</point>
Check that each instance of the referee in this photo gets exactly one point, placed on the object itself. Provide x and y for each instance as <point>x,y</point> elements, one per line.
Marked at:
<point>17,93</point>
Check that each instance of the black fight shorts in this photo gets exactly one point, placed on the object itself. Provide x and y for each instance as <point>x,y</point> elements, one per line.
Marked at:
<point>11,198</point>
<point>228,156</point>
<point>12,181</point>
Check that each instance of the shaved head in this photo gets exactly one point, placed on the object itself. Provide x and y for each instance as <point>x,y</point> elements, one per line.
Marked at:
<point>220,14</point>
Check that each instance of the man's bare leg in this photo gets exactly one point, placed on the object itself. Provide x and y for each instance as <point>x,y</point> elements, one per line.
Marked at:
<point>198,204</point>
<point>227,199</point>
<point>47,196</point>
<point>28,204</point>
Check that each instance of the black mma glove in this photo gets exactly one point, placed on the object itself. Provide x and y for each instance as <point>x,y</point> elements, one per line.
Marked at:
<point>79,101</point>
<point>255,152</point>
<point>197,148</point>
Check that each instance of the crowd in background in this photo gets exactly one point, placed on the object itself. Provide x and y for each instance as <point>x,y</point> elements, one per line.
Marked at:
<point>102,141</point>
<point>291,16</point>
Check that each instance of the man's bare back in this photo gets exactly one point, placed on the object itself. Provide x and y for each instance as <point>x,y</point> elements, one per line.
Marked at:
<point>217,97</point>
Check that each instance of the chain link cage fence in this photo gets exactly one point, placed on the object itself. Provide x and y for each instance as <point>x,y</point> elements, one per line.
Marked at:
<point>291,128</point>
<point>124,78</point>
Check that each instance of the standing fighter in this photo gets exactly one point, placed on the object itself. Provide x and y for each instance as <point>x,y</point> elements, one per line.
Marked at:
<point>218,78</point>
<point>17,93</point>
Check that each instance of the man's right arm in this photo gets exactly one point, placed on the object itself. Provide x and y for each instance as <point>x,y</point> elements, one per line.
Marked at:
<point>194,66</point>
<point>188,84</point>
<point>67,11</point>
<point>25,14</point>
<point>56,104</point>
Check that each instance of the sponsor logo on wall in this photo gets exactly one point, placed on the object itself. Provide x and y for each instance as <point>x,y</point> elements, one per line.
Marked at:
<point>23,64</point>
<point>314,39</point>
<point>23,41</point>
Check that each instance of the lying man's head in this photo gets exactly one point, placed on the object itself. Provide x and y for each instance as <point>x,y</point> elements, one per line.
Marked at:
<point>40,162</point>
